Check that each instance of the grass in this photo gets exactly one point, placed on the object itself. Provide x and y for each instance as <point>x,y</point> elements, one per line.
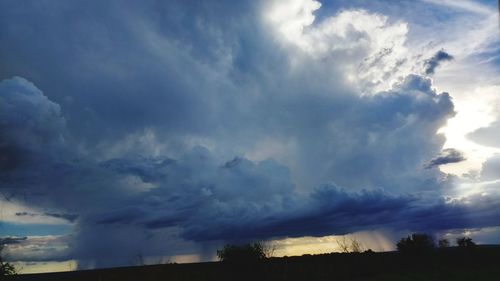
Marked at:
<point>481,264</point>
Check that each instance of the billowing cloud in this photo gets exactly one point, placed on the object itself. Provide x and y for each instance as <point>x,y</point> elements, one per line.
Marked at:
<point>199,196</point>
<point>491,168</point>
<point>432,63</point>
<point>30,122</point>
<point>167,135</point>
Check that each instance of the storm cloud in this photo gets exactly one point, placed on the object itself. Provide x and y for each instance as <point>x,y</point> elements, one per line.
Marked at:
<point>201,124</point>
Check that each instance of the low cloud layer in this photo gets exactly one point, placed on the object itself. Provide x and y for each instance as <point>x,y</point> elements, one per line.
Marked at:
<point>154,134</point>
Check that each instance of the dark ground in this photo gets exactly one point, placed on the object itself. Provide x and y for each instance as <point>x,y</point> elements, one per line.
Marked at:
<point>450,264</point>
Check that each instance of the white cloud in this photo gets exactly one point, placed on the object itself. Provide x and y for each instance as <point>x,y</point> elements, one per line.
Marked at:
<point>467,5</point>
<point>369,49</point>
<point>290,18</point>
<point>16,212</point>
<point>39,248</point>
<point>470,35</point>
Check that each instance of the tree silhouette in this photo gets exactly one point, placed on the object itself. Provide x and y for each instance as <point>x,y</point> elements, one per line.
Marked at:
<point>349,246</point>
<point>248,253</point>
<point>416,243</point>
<point>6,269</point>
<point>444,243</point>
<point>465,242</point>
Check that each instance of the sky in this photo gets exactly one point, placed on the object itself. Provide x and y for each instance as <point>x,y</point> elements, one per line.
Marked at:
<point>153,131</point>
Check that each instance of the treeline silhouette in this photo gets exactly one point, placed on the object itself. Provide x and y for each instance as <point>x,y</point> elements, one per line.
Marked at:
<point>418,243</point>
<point>418,257</point>
<point>417,254</point>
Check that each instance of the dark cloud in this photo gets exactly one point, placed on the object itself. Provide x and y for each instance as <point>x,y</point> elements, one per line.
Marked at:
<point>143,110</point>
<point>11,240</point>
<point>68,217</point>
<point>432,63</point>
<point>327,210</point>
<point>30,123</point>
<point>147,168</point>
<point>22,214</point>
<point>232,163</point>
<point>153,39</point>
<point>446,156</point>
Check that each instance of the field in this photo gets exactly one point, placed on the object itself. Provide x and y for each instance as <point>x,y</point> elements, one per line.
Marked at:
<point>451,264</point>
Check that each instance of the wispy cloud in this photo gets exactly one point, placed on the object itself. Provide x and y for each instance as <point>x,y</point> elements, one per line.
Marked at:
<point>466,5</point>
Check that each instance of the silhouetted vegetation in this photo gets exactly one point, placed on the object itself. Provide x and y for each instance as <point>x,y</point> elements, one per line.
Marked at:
<point>416,243</point>
<point>6,269</point>
<point>252,262</point>
<point>349,245</point>
<point>466,242</point>
<point>451,264</point>
<point>443,243</point>
<point>244,262</point>
<point>248,253</point>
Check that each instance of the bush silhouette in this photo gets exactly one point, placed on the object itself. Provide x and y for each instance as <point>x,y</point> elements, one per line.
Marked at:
<point>369,252</point>
<point>248,253</point>
<point>416,243</point>
<point>349,246</point>
<point>465,242</point>
<point>443,243</point>
<point>6,269</point>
